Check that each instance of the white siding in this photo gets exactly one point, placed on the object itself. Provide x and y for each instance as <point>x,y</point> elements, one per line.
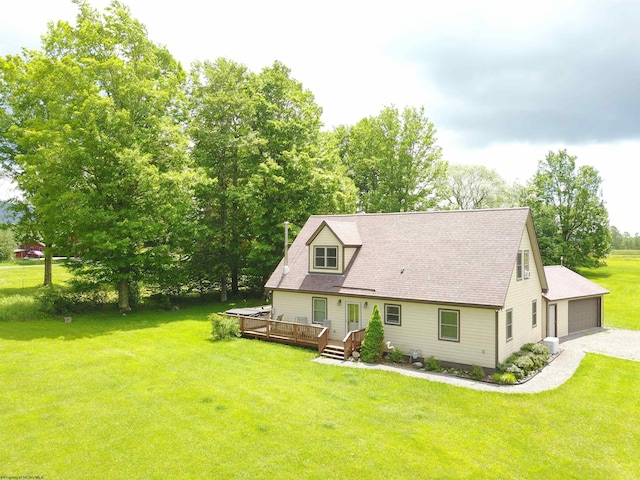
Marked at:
<point>519,298</point>
<point>418,330</point>
<point>326,238</point>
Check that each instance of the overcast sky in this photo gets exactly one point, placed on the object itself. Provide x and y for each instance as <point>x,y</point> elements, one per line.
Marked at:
<point>503,82</point>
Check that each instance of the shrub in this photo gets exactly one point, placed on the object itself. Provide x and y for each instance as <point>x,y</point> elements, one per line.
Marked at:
<point>223,327</point>
<point>525,364</point>
<point>503,378</point>
<point>371,350</point>
<point>540,350</point>
<point>515,370</point>
<point>432,364</point>
<point>395,356</point>
<point>55,301</point>
<point>477,372</point>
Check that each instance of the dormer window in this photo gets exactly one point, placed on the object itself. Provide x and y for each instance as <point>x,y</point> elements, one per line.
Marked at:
<point>325,257</point>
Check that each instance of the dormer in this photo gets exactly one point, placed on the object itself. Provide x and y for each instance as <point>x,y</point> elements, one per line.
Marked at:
<point>332,246</point>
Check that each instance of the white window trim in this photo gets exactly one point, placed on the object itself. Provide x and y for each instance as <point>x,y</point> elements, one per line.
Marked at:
<point>509,324</point>
<point>534,314</point>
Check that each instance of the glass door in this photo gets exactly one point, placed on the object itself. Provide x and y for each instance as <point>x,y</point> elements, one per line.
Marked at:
<point>353,317</point>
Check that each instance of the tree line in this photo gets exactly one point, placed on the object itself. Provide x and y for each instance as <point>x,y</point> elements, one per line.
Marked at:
<point>144,173</point>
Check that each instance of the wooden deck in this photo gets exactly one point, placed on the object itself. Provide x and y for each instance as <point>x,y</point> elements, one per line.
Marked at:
<point>313,336</point>
<point>285,332</point>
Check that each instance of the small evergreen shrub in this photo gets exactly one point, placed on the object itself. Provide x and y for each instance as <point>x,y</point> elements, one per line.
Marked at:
<point>432,364</point>
<point>371,350</point>
<point>540,350</point>
<point>477,372</point>
<point>223,327</point>
<point>503,378</point>
<point>395,356</point>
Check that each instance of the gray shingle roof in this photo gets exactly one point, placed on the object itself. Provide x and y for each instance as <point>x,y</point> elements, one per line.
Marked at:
<point>347,232</point>
<point>564,284</point>
<point>452,257</point>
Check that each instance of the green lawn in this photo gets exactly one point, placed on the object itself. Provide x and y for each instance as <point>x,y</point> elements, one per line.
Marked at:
<point>621,277</point>
<point>147,395</point>
<point>19,284</point>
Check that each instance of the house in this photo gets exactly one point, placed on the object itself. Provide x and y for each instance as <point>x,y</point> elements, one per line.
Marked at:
<point>30,250</point>
<point>467,287</point>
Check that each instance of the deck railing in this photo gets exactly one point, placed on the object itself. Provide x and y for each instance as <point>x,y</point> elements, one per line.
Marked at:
<point>286,332</point>
<point>352,341</point>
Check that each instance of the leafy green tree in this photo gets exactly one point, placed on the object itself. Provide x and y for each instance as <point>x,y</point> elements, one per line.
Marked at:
<point>225,145</point>
<point>394,161</point>
<point>100,151</point>
<point>475,186</point>
<point>292,179</point>
<point>257,142</point>
<point>7,244</point>
<point>371,350</point>
<point>572,223</point>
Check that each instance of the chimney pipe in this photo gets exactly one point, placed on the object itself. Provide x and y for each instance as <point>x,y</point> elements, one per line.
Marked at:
<point>286,248</point>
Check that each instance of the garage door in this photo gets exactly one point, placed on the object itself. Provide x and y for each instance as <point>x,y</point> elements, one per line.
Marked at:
<point>584,314</point>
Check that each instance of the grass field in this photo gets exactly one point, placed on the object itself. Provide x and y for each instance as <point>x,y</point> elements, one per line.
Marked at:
<point>149,396</point>
<point>621,277</point>
<point>20,283</point>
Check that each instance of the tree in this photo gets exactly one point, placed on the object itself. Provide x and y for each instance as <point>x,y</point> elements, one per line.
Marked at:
<point>394,161</point>
<point>292,178</point>
<point>571,220</point>
<point>257,141</point>
<point>225,144</point>
<point>371,350</point>
<point>7,244</point>
<point>475,186</point>
<point>99,148</point>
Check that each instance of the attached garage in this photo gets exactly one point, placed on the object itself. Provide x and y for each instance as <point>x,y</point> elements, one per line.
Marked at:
<point>574,304</point>
<point>584,314</point>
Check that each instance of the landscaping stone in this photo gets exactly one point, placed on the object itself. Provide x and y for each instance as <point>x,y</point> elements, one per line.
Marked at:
<point>418,364</point>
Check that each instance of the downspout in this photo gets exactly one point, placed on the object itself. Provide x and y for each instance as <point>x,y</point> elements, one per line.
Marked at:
<point>286,248</point>
<point>497,353</point>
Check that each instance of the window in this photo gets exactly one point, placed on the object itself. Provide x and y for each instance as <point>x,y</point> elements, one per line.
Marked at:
<point>522,265</point>
<point>325,257</point>
<point>391,314</point>
<point>534,314</point>
<point>319,310</point>
<point>449,325</point>
<point>509,325</point>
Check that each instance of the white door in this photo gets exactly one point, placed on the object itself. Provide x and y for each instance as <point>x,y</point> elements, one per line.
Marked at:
<point>353,317</point>
<point>551,321</point>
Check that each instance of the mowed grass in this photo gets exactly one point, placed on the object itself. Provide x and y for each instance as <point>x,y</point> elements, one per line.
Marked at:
<point>147,395</point>
<point>621,277</point>
<point>19,286</point>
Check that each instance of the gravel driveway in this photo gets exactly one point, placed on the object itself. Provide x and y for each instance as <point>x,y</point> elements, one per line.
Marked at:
<point>609,341</point>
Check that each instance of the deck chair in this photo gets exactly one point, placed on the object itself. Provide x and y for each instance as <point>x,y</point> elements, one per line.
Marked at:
<point>279,317</point>
<point>301,320</point>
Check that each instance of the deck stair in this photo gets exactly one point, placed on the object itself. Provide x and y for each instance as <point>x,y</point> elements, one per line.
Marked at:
<point>333,351</point>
